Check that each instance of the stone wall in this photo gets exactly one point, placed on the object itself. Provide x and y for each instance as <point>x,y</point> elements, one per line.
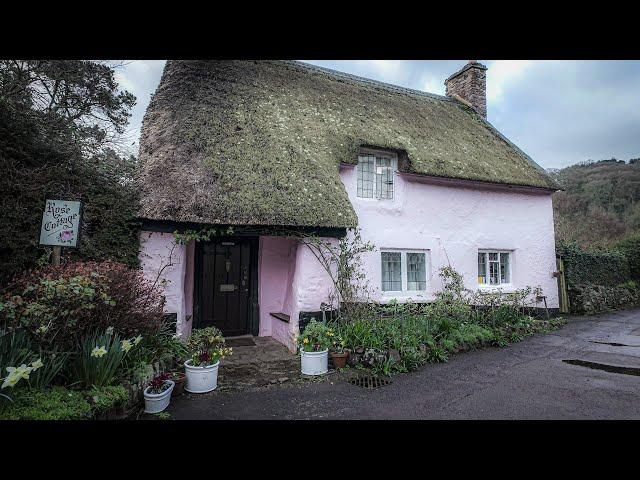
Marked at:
<point>587,298</point>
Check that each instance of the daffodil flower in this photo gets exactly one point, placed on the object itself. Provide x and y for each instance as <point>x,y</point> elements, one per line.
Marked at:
<point>37,364</point>
<point>137,340</point>
<point>10,381</point>
<point>110,331</point>
<point>98,352</point>
<point>126,345</point>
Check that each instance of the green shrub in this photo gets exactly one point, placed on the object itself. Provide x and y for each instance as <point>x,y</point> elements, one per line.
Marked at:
<point>57,305</point>
<point>163,347</point>
<point>103,399</point>
<point>57,403</point>
<point>630,247</point>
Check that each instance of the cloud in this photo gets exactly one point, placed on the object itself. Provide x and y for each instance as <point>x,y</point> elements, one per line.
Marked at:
<point>504,73</point>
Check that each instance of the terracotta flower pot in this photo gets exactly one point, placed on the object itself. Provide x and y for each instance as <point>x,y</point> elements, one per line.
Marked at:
<point>339,359</point>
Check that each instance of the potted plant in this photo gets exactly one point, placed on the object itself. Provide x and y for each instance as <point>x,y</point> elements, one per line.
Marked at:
<point>314,348</point>
<point>206,349</point>
<point>179,379</point>
<point>338,351</point>
<point>158,394</point>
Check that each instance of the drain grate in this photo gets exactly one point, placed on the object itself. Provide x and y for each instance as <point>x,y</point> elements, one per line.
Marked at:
<point>369,381</point>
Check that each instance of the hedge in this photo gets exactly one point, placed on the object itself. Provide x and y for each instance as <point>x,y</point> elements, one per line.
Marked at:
<point>38,164</point>
<point>602,280</point>
<point>608,268</point>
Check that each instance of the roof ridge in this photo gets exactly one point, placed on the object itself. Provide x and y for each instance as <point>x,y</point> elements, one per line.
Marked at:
<point>366,80</point>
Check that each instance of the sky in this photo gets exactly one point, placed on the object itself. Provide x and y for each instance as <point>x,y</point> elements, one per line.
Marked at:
<point>559,112</point>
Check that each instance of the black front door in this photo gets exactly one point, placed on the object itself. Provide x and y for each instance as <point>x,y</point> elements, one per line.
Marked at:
<point>226,285</point>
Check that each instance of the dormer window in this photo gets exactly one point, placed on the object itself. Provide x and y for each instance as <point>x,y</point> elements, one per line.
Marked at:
<point>375,175</point>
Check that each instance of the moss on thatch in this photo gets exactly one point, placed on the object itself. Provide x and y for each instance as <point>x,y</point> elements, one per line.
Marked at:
<point>260,142</point>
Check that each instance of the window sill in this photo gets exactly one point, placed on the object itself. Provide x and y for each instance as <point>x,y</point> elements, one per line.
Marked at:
<point>504,288</point>
<point>417,296</point>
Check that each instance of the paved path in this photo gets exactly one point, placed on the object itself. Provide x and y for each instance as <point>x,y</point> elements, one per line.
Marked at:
<point>527,380</point>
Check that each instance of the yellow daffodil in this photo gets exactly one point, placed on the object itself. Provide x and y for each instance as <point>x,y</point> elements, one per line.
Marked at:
<point>10,381</point>
<point>98,352</point>
<point>306,340</point>
<point>126,345</point>
<point>37,364</point>
<point>23,371</point>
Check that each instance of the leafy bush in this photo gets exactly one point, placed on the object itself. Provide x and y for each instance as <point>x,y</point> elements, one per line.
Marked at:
<point>163,347</point>
<point>630,247</point>
<point>103,399</point>
<point>57,305</point>
<point>57,403</point>
<point>417,333</point>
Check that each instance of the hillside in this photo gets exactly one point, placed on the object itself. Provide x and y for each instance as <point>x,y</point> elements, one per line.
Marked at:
<point>600,204</point>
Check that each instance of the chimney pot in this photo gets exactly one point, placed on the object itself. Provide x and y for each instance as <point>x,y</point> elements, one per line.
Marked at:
<point>470,84</point>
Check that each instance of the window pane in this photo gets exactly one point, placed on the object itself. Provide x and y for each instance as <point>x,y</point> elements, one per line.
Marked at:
<point>482,267</point>
<point>365,175</point>
<point>494,278</point>
<point>384,178</point>
<point>416,271</point>
<point>391,271</point>
<point>504,268</point>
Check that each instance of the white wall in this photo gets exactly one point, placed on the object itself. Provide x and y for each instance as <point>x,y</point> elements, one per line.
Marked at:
<point>453,222</point>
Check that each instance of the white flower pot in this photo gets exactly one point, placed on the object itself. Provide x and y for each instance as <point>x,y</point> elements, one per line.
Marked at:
<point>201,379</point>
<point>314,363</point>
<point>157,402</point>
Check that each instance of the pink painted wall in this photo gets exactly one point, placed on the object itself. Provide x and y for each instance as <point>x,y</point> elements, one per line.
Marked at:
<point>452,223</point>
<point>291,280</point>
<point>158,250</point>
<point>276,269</point>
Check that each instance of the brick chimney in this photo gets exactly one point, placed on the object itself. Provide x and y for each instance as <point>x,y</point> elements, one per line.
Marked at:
<point>469,85</point>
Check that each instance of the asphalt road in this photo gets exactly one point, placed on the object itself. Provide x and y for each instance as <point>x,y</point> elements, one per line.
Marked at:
<point>527,380</point>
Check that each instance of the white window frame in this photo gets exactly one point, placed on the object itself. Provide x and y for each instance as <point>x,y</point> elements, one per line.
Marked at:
<point>486,251</point>
<point>404,270</point>
<point>378,155</point>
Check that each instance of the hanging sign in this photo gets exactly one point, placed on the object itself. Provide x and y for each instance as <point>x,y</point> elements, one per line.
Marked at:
<point>60,223</point>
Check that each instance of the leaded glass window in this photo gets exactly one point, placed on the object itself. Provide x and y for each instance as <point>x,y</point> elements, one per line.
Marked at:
<point>365,175</point>
<point>391,271</point>
<point>375,176</point>
<point>416,271</point>
<point>404,271</point>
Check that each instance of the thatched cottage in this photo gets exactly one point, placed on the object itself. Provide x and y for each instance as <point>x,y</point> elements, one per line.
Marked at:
<point>270,146</point>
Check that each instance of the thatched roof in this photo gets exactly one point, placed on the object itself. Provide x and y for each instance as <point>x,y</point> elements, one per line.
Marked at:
<point>260,142</point>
